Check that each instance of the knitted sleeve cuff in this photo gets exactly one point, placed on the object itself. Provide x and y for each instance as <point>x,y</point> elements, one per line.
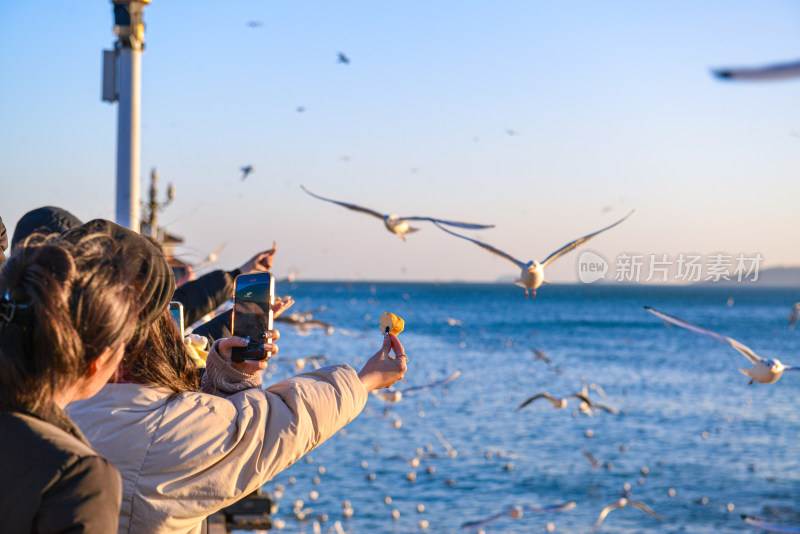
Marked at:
<point>222,379</point>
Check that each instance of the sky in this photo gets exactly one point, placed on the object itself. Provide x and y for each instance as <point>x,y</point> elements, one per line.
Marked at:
<point>549,120</point>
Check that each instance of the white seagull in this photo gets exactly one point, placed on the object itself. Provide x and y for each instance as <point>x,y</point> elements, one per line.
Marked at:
<point>391,395</point>
<point>451,452</point>
<point>304,321</point>
<point>764,371</point>
<point>300,363</point>
<point>533,272</point>
<point>211,258</point>
<point>794,316</point>
<point>778,71</point>
<point>622,503</point>
<point>515,512</point>
<point>769,527</point>
<point>560,403</point>
<point>396,224</point>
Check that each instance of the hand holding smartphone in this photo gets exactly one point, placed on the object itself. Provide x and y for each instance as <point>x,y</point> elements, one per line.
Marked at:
<point>254,295</point>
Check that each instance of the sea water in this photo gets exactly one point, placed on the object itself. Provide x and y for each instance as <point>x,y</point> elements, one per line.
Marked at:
<point>712,446</point>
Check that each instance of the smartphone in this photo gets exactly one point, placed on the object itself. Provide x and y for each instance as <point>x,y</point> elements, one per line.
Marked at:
<point>176,310</point>
<point>253,296</point>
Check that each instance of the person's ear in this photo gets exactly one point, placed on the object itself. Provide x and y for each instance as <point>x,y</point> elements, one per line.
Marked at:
<point>100,361</point>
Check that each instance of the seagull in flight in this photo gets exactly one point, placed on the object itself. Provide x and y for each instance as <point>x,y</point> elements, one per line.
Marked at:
<point>343,58</point>
<point>300,317</point>
<point>769,527</point>
<point>532,271</point>
<point>304,321</point>
<point>794,316</point>
<point>246,170</point>
<point>451,452</point>
<point>560,403</point>
<point>391,395</point>
<point>300,363</point>
<point>764,371</point>
<point>778,71</point>
<point>585,388</point>
<point>622,503</point>
<point>597,464</point>
<point>541,355</point>
<point>515,512</point>
<point>396,224</point>
<point>211,258</point>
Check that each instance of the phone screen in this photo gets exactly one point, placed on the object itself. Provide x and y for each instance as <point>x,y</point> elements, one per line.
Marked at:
<point>176,310</point>
<point>252,314</point>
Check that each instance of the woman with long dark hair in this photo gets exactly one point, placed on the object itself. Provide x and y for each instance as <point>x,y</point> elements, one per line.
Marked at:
<point>66,312</point>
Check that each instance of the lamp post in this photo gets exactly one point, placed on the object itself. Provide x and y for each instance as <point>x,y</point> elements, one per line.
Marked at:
<point>122,83</point>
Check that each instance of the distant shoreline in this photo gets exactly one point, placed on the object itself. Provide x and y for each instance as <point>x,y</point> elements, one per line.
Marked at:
<point>777,277</point>
<point>605,284</point>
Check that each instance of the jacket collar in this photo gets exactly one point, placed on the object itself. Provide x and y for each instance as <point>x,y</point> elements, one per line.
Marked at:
<point>55,416</point>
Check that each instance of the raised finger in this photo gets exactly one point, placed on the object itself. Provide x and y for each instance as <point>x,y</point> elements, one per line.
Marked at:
<point>387,345</point>
<point>397,347</point>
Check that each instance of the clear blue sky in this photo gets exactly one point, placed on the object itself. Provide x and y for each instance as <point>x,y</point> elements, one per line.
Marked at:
<point>612,104</point>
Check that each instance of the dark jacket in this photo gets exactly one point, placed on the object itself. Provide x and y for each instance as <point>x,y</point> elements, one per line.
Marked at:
<point>205,294</point>
<point>52,479</point>
<point>217,328</point>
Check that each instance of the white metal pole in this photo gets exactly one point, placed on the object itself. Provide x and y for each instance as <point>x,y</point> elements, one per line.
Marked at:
<point>129,27</point>
<point>129,138</point>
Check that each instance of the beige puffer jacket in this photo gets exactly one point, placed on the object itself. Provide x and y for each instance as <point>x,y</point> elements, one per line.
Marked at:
<point>185,457</point>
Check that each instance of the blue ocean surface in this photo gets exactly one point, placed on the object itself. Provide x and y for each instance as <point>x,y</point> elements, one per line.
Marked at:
<point>692,439</point>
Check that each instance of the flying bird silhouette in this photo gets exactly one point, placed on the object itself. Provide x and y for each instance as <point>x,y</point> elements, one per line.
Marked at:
<point>777,71</point>
<point>246,170</point>
<point>794,316</point>
<point>343,58</point>
<point>622,503</point>
<point>300,363</point>
<point>532,276</point>
<point>769,527</point>
<point>596,464</point>
<point>305,321</point>
<point>396,224</point>
<point>392,395</point>
<point>515,512</point>
<point>540,355</point>
<point>586,387</point>
<point>764,371</point>
<point>451,452</point>
<point>560,403</point>
<point>211,258</point>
